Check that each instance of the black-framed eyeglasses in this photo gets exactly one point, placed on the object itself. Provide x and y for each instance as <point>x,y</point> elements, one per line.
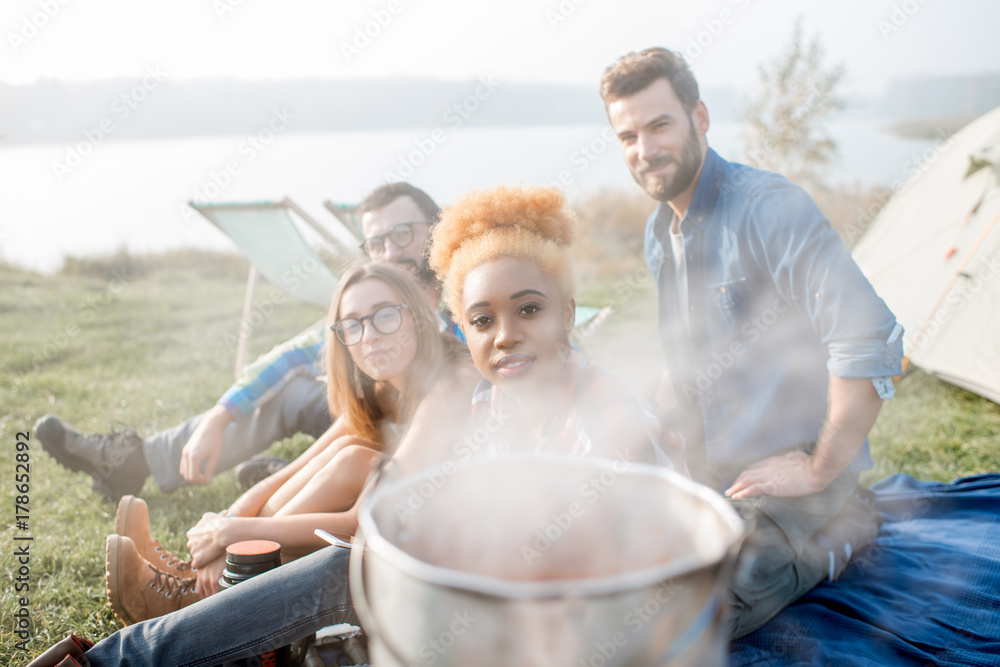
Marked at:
<point>401,236</point>
<point>385,319</point>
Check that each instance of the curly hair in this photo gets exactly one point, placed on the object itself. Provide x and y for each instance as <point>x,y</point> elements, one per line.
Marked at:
<point>528,222</point>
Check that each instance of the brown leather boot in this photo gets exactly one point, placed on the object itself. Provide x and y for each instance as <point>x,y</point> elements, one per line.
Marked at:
<point>132,521</point>
<point>137,590</point>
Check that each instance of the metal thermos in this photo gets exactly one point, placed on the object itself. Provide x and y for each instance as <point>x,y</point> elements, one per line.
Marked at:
<point>245,560</point>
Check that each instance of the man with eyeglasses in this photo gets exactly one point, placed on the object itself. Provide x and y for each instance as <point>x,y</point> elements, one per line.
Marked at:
<point>397,232</point>
<point>275,397</point>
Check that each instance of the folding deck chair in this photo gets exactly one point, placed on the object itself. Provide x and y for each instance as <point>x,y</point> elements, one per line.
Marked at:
<point>347,214</point>
<point>270,235</point>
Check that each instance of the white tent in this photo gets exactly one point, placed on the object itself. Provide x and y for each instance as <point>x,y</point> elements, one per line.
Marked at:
<point>933,255</point>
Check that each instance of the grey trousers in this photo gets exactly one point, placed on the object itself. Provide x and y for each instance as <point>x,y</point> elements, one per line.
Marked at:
<point>298,407</point>
<point>796,543</point>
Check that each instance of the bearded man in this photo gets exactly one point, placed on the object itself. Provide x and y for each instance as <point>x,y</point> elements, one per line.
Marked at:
<point>778,351</point>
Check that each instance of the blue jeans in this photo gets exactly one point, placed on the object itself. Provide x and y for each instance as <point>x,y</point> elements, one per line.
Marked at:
<point>263,613</point>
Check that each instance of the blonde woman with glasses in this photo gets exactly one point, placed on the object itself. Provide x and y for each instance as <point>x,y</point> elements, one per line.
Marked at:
<point>385,355</point>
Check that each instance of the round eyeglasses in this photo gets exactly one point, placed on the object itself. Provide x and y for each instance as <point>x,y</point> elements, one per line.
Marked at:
<point>401,236</point>
<point>385,319</point>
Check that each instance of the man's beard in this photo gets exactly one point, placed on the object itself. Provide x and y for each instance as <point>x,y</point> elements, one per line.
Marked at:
<point>687,169</point>
<point>421,271</point>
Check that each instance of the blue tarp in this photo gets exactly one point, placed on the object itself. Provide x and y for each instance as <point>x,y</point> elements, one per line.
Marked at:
<point>927,591</point>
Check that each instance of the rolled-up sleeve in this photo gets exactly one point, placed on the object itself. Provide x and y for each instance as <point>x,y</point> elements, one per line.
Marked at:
<point>811,267</point>
<point>878,360</point>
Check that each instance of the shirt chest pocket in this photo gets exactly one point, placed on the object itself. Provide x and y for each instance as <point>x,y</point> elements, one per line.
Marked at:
<point>730,300</point>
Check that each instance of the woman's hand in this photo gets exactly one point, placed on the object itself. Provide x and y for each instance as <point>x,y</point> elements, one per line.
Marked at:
<point>206,541</point>
<point>208,578</point>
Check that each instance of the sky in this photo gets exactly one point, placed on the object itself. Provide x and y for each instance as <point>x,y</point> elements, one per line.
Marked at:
<point>569,41</point>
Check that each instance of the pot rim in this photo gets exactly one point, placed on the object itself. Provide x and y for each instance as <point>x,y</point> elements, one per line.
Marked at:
<point>437,575</point>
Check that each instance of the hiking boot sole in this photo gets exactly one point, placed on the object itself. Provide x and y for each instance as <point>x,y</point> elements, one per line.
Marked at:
<point>121,516</point>
<point>112,579</point>
<point>58,451</point>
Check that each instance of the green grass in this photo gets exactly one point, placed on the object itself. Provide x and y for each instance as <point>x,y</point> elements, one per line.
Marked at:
<point>934,430</point>
<point>147,349</point>
<point>155,352</point>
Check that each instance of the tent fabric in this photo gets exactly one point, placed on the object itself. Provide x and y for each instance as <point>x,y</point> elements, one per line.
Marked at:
<point>933,255</point>
<point>926,592</point>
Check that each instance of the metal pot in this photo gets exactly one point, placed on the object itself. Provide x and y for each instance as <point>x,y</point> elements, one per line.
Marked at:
<point>531,560</point>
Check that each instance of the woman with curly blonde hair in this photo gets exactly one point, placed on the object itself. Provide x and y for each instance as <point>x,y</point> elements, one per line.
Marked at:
<point>503,257</point>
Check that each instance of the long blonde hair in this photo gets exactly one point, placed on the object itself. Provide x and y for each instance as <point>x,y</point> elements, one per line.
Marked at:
<point>350,391</point>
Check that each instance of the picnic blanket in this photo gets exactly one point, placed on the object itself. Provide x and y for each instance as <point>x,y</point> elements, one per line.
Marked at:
<point>926,592</point>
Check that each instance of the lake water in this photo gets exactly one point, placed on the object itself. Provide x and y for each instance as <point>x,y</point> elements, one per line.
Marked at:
<point>133,193</point>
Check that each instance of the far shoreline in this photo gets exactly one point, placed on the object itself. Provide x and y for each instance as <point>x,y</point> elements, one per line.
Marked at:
<point>940,127</point>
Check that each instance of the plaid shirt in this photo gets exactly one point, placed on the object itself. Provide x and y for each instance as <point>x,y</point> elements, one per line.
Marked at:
<point>592,407</point>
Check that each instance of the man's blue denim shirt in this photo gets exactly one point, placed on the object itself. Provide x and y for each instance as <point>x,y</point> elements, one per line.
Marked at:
<point>776,306</point>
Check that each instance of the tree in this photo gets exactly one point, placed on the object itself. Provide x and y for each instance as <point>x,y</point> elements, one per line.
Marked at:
<point>797,93</point>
